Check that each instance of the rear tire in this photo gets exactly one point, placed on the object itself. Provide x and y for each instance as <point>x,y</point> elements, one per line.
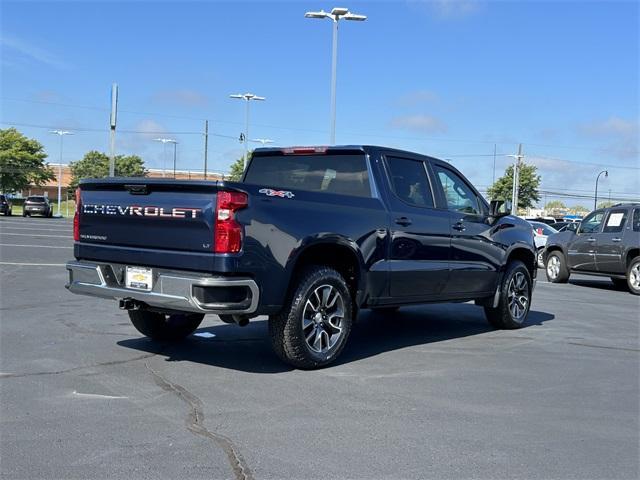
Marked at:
<point>620,283</point>
<point>515,298</point>
<point>160,326</point>
<point>313,327</point>
<point>633,276</point>
<point>556,268</point>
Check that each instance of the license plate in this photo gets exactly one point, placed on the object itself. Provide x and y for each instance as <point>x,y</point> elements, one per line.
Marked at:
<point>139,278</point>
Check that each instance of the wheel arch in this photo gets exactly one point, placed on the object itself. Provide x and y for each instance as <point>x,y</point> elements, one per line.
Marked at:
<point>341,254</point>
<point>527,255</point>
<point>631,254</point>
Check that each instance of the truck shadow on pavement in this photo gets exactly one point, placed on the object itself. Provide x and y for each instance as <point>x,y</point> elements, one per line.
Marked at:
<point>249,349</point>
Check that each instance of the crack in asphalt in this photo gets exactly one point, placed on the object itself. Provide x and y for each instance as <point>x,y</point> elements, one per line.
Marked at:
<point>195,424</point>
<point>80,367</point>
<point>604,346</point>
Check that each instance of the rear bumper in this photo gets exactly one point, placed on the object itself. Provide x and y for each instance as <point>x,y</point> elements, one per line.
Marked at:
<point>172,290</point>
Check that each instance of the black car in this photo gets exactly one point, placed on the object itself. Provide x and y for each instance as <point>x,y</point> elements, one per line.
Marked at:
<point>5,205</point>
<point>37,205</point>
<point>606,243</point>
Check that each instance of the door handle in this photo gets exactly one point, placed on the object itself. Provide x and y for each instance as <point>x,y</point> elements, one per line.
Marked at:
<point>459,227</point>
<point>404,221</point>
<point>616,239</point>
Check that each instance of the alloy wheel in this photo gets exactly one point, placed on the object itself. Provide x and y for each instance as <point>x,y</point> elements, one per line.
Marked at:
<point>322,318</point>
<point>553,267</point>
<point>518,296</point>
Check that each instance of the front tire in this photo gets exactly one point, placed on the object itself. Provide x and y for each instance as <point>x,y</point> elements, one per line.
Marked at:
<point>620,283</point>
<point>160,326</point>
<point>556,268</point>
<point>313,328</point>
<point>633,276</point>
<point>515,298</point>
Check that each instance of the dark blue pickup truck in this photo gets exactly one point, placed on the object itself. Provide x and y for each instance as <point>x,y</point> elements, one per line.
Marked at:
<point>308,237</point>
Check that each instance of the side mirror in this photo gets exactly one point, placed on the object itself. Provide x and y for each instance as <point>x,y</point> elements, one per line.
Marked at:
<point>499,208</point>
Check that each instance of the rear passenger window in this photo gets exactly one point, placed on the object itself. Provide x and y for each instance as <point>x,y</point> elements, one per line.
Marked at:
<point>636,220</point>
<point>409,181</point>
<point>340,174</point>
<point>615,221</point>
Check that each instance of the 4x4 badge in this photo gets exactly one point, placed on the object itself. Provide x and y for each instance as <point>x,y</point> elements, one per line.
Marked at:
<point>276,193</point>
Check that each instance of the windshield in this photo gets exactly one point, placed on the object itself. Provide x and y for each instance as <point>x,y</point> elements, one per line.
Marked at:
<point>340,174</point>
<point>543,229</point>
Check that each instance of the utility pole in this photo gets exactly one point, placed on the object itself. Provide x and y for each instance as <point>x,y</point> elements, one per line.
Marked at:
<point>516,179</point>
<point>61,134</point>
<point>494,164</point>
<point>112,122</point>
<point>206,146</point>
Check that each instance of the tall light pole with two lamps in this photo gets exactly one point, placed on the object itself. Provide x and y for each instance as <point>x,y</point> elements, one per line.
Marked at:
<point>61,134</point>
<point>247,97</point>
<point>164,154</point>
<point>335,16</point>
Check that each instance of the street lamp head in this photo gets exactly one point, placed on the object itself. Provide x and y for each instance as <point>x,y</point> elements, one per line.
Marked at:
<point>165,140</point>
<point>339,11</point>
<point>320,14</point>
<point>61,132</point>
<point>247,96</point>
<point>355,17</point>
<point>606,173</point>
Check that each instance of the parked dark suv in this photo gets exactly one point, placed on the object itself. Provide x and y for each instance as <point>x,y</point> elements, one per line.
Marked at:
<point>5,205</point>
<point>37,205</point>
<point>606,243</point>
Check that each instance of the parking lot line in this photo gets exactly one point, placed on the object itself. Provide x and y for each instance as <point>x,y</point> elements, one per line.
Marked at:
<point>34,235</point>
<point>33,246</point>
<point>34,264</point>
<point>4,227</point>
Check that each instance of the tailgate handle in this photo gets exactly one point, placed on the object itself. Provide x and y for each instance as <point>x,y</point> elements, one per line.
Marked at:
<point>137,189</point>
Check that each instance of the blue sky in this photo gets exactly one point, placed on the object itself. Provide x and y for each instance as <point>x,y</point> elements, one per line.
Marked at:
<point>446,78</point>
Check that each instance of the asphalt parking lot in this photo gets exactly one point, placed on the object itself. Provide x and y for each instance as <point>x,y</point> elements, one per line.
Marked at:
<point>431,393</point>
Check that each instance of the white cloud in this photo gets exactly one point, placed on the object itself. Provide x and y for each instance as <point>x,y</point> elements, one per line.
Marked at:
<point>420,123</point>
<point>24,50</point>
<point>622,136</point>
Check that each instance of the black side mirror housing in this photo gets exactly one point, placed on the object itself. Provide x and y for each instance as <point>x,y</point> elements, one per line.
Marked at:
<point>499,208</point>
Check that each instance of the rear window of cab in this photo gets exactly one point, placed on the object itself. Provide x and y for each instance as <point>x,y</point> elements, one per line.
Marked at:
<point>338,174</point>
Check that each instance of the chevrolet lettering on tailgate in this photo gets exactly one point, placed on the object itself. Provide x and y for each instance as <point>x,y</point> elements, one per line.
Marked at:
<point>134,210</point>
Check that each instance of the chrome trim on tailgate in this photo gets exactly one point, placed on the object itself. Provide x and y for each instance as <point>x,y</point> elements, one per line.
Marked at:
<point>171,290</point>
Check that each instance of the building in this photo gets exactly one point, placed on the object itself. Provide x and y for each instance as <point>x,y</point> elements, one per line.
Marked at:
<point>50,189</point>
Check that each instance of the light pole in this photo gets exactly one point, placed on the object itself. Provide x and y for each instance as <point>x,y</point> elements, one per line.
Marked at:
<point>247,97</point>
<point>61,134</point>
<point>263,141</point>
<point>164,154</point>
<point>335,16</point>
<point>595,200</point>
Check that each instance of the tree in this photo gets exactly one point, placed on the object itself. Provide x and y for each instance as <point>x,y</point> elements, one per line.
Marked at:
<point>529,182</point>
<point>579,209</point>
<point>236,170</point>
<point>555,205</point>
<point>21,162</point>
<point>606,204</point>
<point>96,165</point>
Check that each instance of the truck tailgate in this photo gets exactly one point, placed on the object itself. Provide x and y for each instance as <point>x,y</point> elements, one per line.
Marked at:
<point>148,213</point>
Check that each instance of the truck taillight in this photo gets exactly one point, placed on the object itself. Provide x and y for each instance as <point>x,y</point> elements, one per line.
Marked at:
<point>76,216</point>
<point>228,232</point>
